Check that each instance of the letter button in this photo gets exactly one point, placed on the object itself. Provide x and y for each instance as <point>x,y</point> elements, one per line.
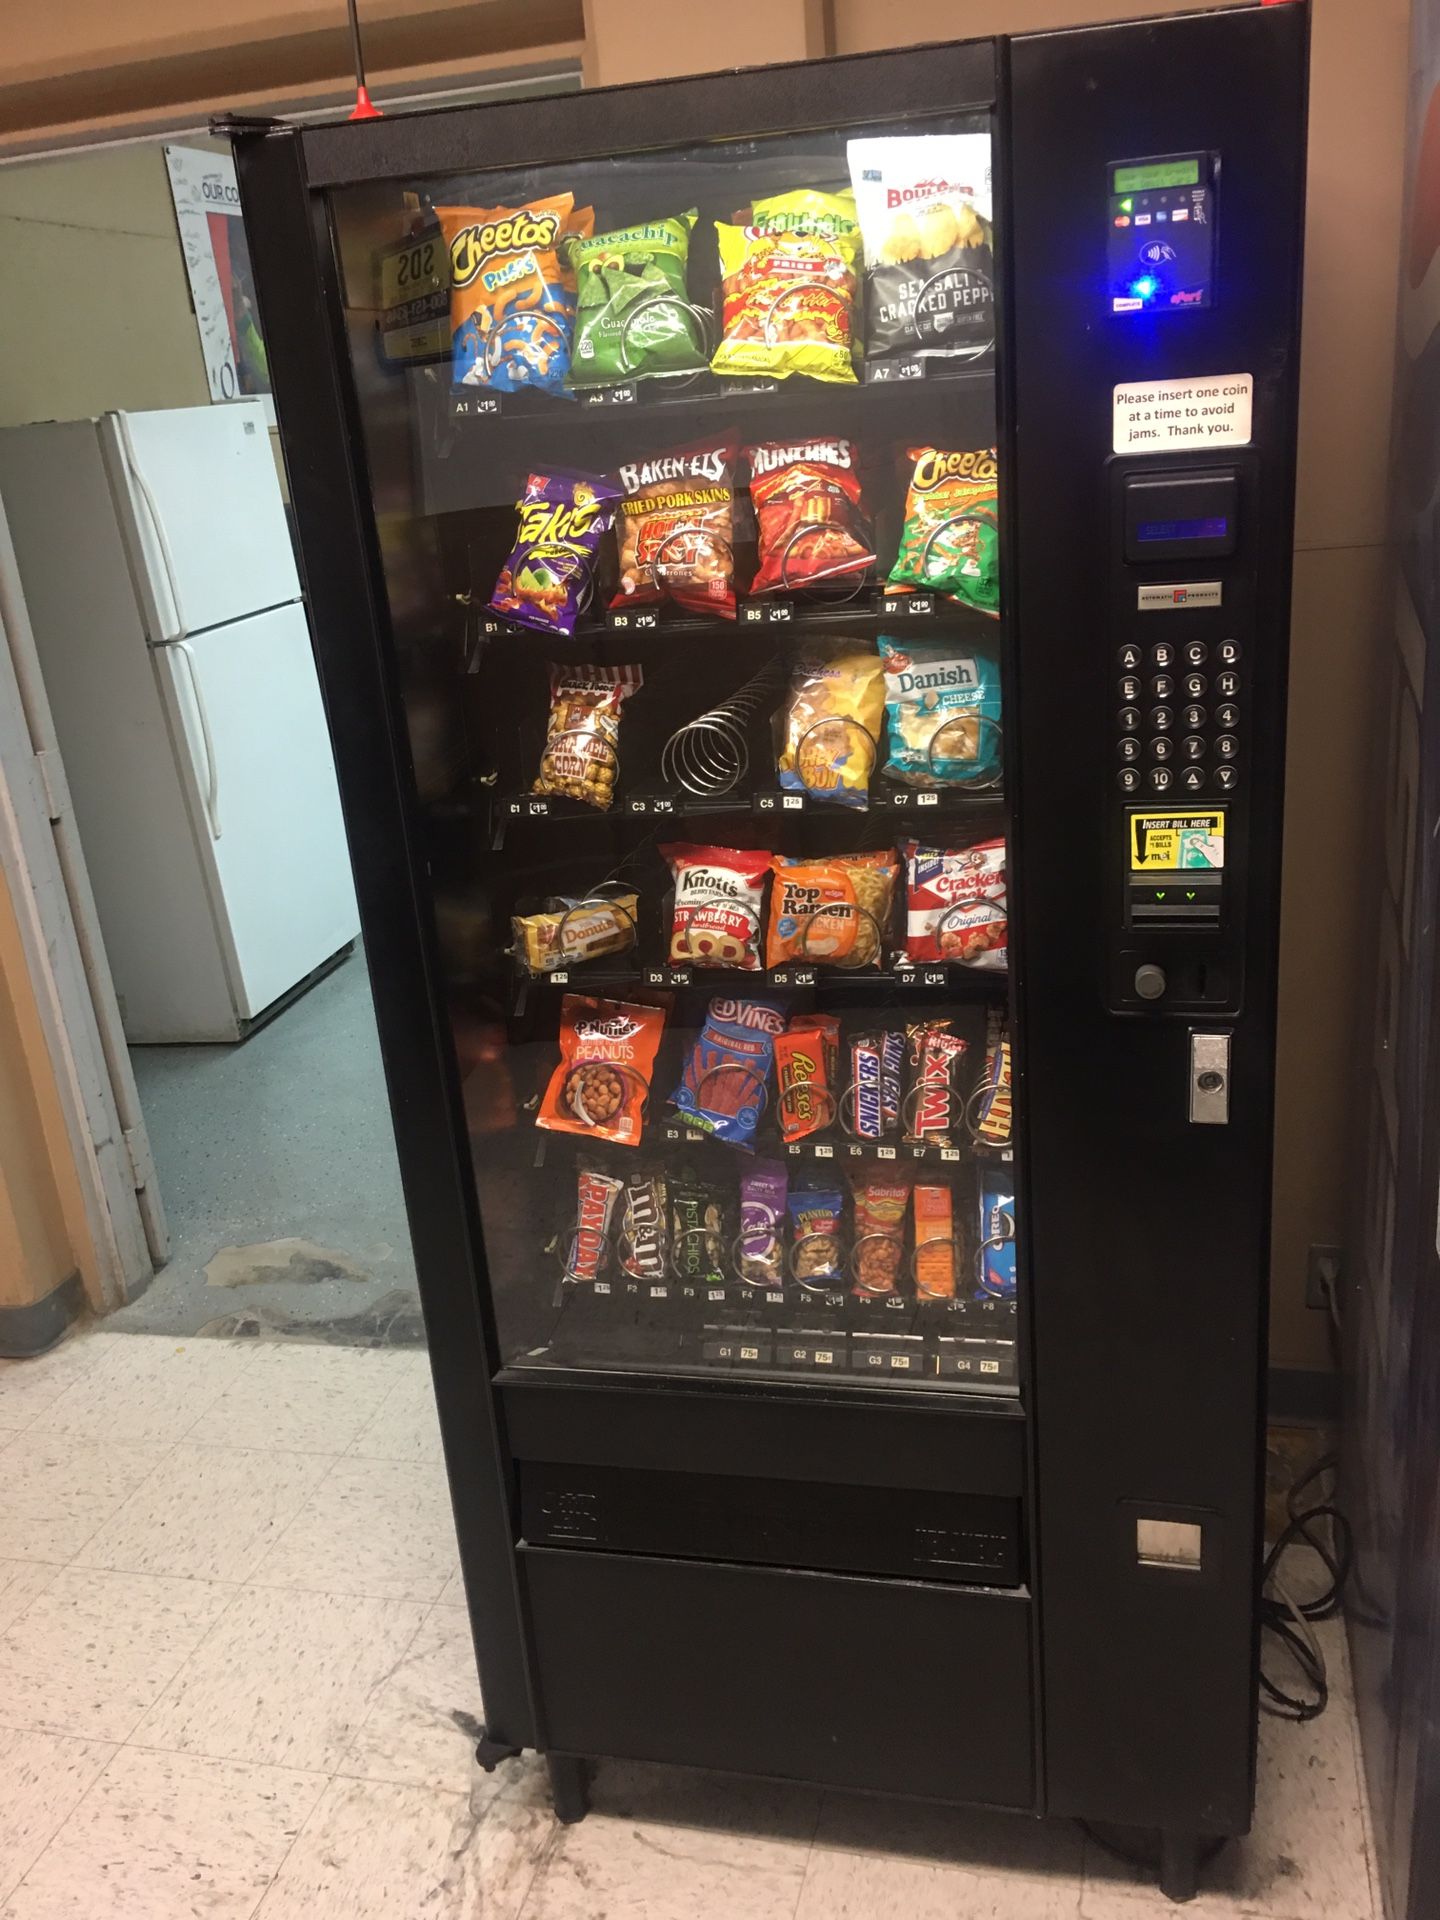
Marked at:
<point>1129,687</point>
<point>1129,658</point>
<point>1196,653</point>
<point>1162,686</point>
<point>1162,655</point>
<point>1227,685</point>
<point>1195,685</point>
<point>1228,652</point>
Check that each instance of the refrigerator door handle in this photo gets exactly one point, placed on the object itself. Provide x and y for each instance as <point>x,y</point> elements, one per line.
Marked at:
<point>212,767</point>
<point>167,559</point>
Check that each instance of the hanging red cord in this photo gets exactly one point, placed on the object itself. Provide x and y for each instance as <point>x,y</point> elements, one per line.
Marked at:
<point>364,108</point>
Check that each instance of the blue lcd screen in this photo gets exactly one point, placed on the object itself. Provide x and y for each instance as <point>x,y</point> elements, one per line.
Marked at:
<point>1215,529</point>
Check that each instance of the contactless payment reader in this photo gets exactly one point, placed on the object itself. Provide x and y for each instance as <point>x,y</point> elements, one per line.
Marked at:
<point>1161,246</point>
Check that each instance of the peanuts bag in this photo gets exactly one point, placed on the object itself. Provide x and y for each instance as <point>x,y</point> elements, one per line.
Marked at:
<point>607,1054</point>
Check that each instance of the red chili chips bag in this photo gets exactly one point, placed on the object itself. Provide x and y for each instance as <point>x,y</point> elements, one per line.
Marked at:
<point>807,504</point>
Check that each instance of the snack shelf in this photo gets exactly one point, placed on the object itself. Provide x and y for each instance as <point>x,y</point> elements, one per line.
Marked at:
<point>766,803</point>
<point>919,613</point>
<point>769,1146</point>
<point>956,982</point>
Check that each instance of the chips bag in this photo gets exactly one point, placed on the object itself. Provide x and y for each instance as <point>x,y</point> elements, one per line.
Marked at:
<point>950,542</point>
<point>942,705</point>
<point>547,581</point>
<point>726,1083</point>
<point>512,298</point>
<point>807,503</point>
<point>881,1203</point>
<point>789,287</point>
<point>676,530</point>
<point>697,1231</point>
<point>831,728</point>
<point>955,905</point>
<point>633,317</point>
<point>581,756</point>
<point>830,911</point>
<point>717,918</point>
<point>924,207</point>
<point>607,1054</point>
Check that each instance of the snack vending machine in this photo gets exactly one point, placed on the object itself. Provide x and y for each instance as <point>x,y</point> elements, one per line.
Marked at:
<point>801,565</point>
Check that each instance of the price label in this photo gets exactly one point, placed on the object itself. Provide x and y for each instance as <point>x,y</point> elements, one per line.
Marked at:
<point>934,976</point>
<point>538,809</point>
<point>659,1293</point>
<point>620,396</point>
<point>804,976</point>
<point>767,613</point>
<point>749,1353</point>
<point>715,1293</point>
<point>884,373</point>
<point>907,606</point>
<point>792,802</point>
<point>823,1152</point>
<point>885,1153</point>
<point>774,1299</point>
<point>602,1286</point>
<point>560,977</point>
<point>989,1366</point>
<point>901,1362</point>
<point>927,799</point>
<point>662,803</point>
<point>734,389</point>
<point>824,1356</point>
<point>949,1153</point>
<point>680,976</point>
<point>632,619</point>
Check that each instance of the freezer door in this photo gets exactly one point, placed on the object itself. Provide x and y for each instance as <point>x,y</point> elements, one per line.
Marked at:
<point>244,704</point>
<point>199,497</point>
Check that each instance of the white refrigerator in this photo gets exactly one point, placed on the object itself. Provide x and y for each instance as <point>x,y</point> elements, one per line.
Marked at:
<point>160,579</point>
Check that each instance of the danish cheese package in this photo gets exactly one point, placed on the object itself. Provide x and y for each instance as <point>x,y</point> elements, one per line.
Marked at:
<point>512,293</point>
<point>942,706</point>
<point>924,207</point>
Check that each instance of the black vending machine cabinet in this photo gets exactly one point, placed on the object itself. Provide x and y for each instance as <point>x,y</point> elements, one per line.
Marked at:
<point>800,565</point>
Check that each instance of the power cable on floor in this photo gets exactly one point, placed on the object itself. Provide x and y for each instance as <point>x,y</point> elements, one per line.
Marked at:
<point>1291,1621</point>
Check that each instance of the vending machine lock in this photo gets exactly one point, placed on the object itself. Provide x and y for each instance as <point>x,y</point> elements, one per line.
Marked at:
<point>1209,1079</point>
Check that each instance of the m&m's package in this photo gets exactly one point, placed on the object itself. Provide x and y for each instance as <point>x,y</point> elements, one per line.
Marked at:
<point>547,581</point>
<point>789,287</point>
<point>633,317</point>
<point>512,295</point>
<point>950,542</point>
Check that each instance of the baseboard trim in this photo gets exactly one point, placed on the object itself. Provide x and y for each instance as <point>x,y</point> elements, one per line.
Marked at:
<point>1303,1394</point>
<point>36,1326</point>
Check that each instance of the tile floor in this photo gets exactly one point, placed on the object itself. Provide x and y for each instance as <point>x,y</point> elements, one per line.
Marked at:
<point>233,1658</point>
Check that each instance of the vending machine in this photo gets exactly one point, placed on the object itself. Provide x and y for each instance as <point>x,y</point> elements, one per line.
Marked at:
<point>800,561</point>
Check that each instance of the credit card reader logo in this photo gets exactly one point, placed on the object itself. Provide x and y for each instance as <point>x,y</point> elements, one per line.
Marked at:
<point>1160,236</point>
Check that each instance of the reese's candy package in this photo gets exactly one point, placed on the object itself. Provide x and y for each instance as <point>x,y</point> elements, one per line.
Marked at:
<point>815,1259</point>
<point>806,1069</point>
<point>581,755</point>
<point>955,904</point>
<point>934,1242</point>
<point>942,706</point>
<point>633,316</point>
<point>726,1082</point>
<point>697,1231</point>
<point>807,505</point>
<point>933,1102</point>
<point>588,1249</point>
<point>924,206</point>
<point>950,540</point>
<point>789,286</point>
<point>831,727</point>
<point>644,1241</point>
<point>602,1082</point>
<point>676,526</point>
<point>716,918</point>
<point>762,1224</point>
<point>547,581</point>
<point>878,1248</point>
<point>830,912</point>
<point>512,299</point>
<point>997,1278</point>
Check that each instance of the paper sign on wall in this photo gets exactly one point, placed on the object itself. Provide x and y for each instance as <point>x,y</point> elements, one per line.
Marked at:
<point>1157,416</point>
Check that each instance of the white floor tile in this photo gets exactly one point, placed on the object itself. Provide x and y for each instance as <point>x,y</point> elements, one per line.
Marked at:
<point>20,1582</point>
<point>144,1390</point>
<point>27,1387</point>
<point>376,1851</point>
<point>406,1425</point>
<point>410,1734</point>
<point>212,1513</point>
<point>969,1838</point>
<point>852,1886</point>
<point>43,1778</point>
<point>371,1527</point>
<point>285,1680</point>
<point>56,1492</point>
<point>164,1836</point>
<point>298,1400</point>
<point>93,1650</point>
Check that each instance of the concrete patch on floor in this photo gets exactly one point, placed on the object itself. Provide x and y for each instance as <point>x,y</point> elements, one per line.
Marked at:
<point>394,1320</point>
<point>264,1260</point>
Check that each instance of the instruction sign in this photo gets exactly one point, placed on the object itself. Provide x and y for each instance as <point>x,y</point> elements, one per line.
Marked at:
<point>1157,416</point>
<point>1177,842</point>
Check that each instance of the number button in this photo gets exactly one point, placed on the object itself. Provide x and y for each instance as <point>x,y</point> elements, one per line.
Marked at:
<point>1227,779</point>
<point>1227,746</point>
<point>1160,778</point>
<point>1129,747</point>
<point>1129,719</point>
<point>1193,778</point>
<point>1193,747</point>
<point>1129,658</point>
<point>1129,687</point>
<point>1162,654</point>
<point>1128,779</point>
<point>1194,717</point>
<point>1228,652</point>
<point>1161,747</point>
<point>1195,685</point>
<point>1161,718</point>
<point>1196,653</point>
<point>1227,715</point>
<point>1227,685</point>
<point>1162,686</point>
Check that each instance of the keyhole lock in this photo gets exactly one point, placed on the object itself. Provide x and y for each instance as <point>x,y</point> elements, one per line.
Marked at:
<point>1209,1081</point>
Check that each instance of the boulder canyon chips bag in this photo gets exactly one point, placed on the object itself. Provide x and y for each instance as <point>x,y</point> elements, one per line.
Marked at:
<point>512,297</point>
<point>547,581</point>
<point>789,286</point>
<point>950,542</point>
<point>942,705</point>
<point>633,317</point>
<point>924,207</point>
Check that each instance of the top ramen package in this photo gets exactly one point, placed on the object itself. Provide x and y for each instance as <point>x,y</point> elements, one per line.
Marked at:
<point>547,581</point>
<point>789,286</point>
<point>633,316</point>
<point>726,1082</point>
<point>950,542</point>
<point>955,907</point>
<point>942,702</point>
<point>512,297</point>
<point>830,911</point>
<point>831,727</point>
<point>807,504</point>
<point>607,1054</point>
<point>924,207</point>
<point>676,529</point>
<point>718,891</point>
<point>581,755</point>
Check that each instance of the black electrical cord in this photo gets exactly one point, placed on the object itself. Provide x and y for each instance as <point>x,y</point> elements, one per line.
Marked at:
<point>1290,1620</point>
